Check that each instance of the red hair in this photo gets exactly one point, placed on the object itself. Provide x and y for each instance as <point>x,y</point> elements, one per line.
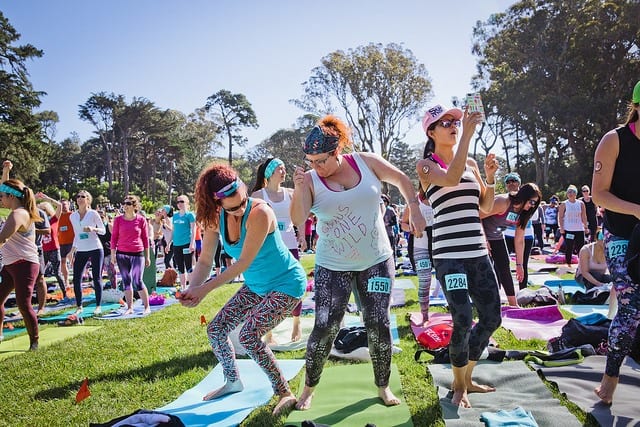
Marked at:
<point>212,179</point>
<point>333,126</point>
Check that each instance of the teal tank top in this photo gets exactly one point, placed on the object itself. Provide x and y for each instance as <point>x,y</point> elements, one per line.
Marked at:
<point>274,268</point>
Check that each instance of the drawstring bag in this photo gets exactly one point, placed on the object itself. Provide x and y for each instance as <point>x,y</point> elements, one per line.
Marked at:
<point>436,336</point>
<point>349,339</point>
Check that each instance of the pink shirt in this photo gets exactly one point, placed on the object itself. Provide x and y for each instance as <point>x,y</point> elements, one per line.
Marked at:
<point>129,235</point>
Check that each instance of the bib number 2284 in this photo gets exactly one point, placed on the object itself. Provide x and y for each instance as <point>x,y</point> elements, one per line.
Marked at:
<point>454,282</point>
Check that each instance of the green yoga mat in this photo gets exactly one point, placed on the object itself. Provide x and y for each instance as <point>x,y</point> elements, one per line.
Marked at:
<point>48,336</point>
<point>347,397</point>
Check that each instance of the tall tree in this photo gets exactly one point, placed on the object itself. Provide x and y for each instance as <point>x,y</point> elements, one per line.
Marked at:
<point>231,112</point>
<point>20,130</point>
<point>380,89</point>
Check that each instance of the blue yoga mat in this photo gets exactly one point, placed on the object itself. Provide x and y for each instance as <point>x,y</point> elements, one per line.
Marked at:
<point>87,311</point>
<point>568,286</point>
<point>231,409</point>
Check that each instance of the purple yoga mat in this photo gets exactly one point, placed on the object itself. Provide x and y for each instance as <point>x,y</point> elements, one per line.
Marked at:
<point>537,322</point>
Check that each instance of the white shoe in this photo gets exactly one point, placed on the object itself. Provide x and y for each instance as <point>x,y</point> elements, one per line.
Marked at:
<point>1,338</point>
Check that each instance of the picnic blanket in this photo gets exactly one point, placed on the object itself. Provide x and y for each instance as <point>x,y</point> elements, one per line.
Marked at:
<point>231,409</point>
<point>578,382</point>
<point>516,385</point>
<point>538,322</point>
<point>354,402</point>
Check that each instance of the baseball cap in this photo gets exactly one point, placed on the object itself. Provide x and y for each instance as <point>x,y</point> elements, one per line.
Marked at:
<point>572,188</point>
<point>636,93</point>
<point>436,112</point>
<point>512,175</point>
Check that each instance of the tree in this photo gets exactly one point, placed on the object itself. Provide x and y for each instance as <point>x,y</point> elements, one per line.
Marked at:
<point>20,130</point>
<point>380,89</point>
<point>231,112</point>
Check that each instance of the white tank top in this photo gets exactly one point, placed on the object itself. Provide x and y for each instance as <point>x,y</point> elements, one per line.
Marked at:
<point>427,213</point>
<point>351,233</point>
<point>285,225</point>
<point>573,216</point>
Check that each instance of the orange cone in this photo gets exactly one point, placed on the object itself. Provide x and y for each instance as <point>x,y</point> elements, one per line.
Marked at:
<point>84,391</point>
<point>203,321</point>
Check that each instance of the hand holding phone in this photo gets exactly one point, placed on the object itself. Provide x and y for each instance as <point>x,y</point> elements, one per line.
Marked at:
<point>474,103</point>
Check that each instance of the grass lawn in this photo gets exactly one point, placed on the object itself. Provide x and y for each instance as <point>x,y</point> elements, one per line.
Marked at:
<point>148,362</point>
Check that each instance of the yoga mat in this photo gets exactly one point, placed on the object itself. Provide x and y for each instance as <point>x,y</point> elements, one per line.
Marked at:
<point>231,409</point>
<point>87,312</point>
<point>539,266</point>
<point>538,322</point>
<point>47,336</point>
<point>282,334</point>
<point>516,385</point>
<point>346,397</point>
<point>398,298</point>
<point>569,286</point>
<point>577,382</point>
<point>10,333</point>
<point>581,310</point>
<point>540,278</point>
<point>138,310</point>
<point>403,284</point>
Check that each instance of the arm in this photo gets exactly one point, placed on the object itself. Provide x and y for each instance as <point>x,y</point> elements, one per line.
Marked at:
<point>518,243</point>
<point>302,197</point>
<point>98,225</point>
<point>561,209</point>
<point>404,222</point>
<point>6,167</point>
<point>192,231</point>
<point>302,242</point>
<point>500,204</point>
<point>261,221</point>
<point>15,220</point>
<point>487,191</point>
<point>144,235</point>
<point>387,172</point>
<point>583,263</point>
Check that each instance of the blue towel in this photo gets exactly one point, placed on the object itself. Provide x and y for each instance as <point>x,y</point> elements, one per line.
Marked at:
<point>517,417</point>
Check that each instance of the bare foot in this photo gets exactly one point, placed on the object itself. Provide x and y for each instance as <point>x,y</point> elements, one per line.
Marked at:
<point>129,311</point>
<point>479,388</point>
<point>296,334</point>
<point>40,312</point>
<point>460,398</point>
<point>269,340</point>
<point>387,396</point>
<point>606,388</point>
<point>147,310</point>
<point>285,403</point>
<point>228,388</point>
<point>304,401</point>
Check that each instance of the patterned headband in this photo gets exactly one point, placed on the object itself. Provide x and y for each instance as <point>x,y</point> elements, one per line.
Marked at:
<point>317,142</point>
<point>228,189</point>
<point>4,188</point>
<point>271,167</point>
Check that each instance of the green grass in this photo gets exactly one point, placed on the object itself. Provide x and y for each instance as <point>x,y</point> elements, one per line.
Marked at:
<point>149,362</point>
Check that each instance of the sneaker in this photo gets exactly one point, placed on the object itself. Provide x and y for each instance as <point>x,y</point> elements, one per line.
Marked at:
<point>98,310</point>
<point>1,338</point>
<point>33,346</point>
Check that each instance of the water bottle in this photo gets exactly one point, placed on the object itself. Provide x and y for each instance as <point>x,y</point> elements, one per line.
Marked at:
<point>561,294</point>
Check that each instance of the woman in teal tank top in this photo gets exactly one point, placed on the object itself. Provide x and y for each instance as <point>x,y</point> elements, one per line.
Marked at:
<point>274,279</point>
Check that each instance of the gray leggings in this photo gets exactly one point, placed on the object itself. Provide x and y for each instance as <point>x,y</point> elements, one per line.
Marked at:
<point>467,341</point>
<point>332,292</point>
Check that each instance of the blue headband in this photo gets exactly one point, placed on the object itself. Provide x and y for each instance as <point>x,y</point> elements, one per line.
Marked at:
<point>228,189</point>
<point>4,188</point>
<point>271,167</point>
<point>317,142</point>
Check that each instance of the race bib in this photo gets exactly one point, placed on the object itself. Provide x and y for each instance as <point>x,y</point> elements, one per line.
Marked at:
<point>281,226</point>
<point>617,248</point>
<point>186,251</point>
<point>63,228</point>
<point>423,264</point>
<point>84,236</point>
<point>379,284</point>
<point>454,282</point>
<point>569,236</point>
<point>512,218</point>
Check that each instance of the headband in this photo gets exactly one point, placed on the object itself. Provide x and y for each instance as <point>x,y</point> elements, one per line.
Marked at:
<point>228,189</point>
<point>271,167</point>
<point>4,188</point>
<point>317,142</point>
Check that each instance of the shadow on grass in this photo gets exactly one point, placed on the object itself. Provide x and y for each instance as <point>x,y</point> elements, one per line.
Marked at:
<point>165,369</point>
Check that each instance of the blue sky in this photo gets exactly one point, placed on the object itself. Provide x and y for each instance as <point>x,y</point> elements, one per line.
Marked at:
<point>177,53</point>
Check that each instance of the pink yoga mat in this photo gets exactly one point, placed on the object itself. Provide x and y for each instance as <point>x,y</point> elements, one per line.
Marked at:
<point>537,322</point>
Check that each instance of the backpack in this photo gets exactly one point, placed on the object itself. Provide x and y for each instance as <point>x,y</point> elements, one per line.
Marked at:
<point>351,338</point>
<point>169,278</point>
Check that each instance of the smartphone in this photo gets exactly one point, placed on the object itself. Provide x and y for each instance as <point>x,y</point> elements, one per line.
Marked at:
<point>474,102</point>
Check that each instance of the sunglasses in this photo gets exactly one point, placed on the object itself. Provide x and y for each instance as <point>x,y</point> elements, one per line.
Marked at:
<point>585,191</point>
<point>448,123</point>
<point>128,203</point>
<point>320,162</point>
<point>235,208</point>
<point>533,202</point>
<point>179,201</point>
<point>81,196</point>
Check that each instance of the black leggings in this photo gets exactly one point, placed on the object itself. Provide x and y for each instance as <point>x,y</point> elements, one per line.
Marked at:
<point>501,265</point>
<point>332,292</point>
<point>572,245</point>
<point>467,341</point>
<point>80,261</point>
<point>182,261</point>
<point>528,244</point>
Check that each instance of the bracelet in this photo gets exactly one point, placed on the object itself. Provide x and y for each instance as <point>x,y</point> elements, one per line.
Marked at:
<point>490,185</point>
<point>518,265</point>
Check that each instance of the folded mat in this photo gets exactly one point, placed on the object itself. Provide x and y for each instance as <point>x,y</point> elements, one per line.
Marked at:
<point>346,396</point>
<point>581,310</point>
<point>569,286</point>
<point>231,409</point>
<point>516,385</point>
<point>538,322</point>
<point>47,336</point>
<point>138,310</point>
<point>87,311</point>
<point>398,298</point>
<point>403,284</point>
<point>577,382</point>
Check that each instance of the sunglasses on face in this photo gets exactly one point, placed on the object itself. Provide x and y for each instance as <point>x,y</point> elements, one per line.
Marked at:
<point>81,196</point>
<point>448,123</point>
<point>320,162</point>
<point>128,203</point>
<point>235,208</point>
<point>179,201</point>
<point>533,202</point>
<point>511,181</point>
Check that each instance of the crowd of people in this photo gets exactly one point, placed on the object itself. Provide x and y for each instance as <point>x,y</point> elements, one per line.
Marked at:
<point>455,224</point>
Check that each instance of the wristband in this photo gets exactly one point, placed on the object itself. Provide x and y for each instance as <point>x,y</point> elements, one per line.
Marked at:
<point>490,185</point>
<point>518,265</point>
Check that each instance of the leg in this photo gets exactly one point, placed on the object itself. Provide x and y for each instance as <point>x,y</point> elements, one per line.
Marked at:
<point>568,247</point>
<point>97,257</point>
<point>24,275</point>
<point>79,263</point>
<point>375,306</point>
<point>332,291</point>
<point>296,333</point>
<point>501,266</point>
<point>137,268</point>
<point>423,268</point>
<point>53,257</point>
<point>528,243</point>
<point>41,293</point>
<point>124,266</point>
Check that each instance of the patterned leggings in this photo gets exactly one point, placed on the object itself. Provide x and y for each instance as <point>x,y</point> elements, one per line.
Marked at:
<point>131,267</point>
<point>625,324</point>
<point>332,291</point>
<point>467,341</point>
<point>423,268</point>
<point>260,314</point>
